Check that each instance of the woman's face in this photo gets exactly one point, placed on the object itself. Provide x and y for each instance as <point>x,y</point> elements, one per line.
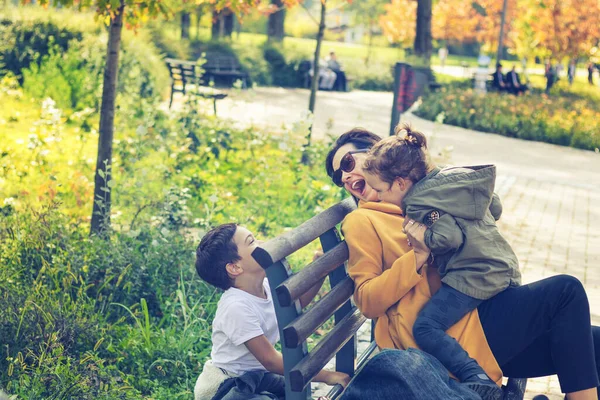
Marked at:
<point>354,181</point>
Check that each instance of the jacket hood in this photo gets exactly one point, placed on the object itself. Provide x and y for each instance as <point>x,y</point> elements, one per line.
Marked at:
<point>463,192</point>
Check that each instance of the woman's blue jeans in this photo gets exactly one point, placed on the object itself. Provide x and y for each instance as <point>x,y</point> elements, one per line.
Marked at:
<point>408,375</point>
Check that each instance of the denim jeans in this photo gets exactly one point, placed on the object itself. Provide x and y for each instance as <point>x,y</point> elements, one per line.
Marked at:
<point>446,307</point>
<point>408,375</point>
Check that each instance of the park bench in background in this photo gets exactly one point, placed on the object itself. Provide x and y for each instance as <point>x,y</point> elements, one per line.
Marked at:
<point>185,73</point>
<point>296,325</point>
<point>224,68</point>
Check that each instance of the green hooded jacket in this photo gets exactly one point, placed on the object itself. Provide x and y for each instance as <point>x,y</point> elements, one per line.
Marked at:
<point>460,209</point>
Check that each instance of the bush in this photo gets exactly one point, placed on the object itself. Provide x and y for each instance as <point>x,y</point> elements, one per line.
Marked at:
<point>127,318</point>
<point>26,42</point>
<point>55,57</point>
<point>567,120</point>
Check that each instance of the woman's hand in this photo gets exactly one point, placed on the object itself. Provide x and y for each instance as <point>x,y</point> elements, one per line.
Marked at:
<point>415,233</point>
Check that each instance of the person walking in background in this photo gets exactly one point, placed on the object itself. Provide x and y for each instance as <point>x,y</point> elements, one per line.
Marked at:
<point>571,71</point>
<point>550,72</point>
<point>340,75</point>
<point>443,54</point>
<point>591,73</point>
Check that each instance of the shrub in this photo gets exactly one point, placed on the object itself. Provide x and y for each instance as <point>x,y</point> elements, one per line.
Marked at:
<point>56,57</point>
<point>567,120</point>
<point>23,42</point>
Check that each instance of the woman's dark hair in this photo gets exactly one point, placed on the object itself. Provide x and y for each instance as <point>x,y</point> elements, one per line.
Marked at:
<point>359,137</point>
<point>403,155</point>
<point>215,251</point>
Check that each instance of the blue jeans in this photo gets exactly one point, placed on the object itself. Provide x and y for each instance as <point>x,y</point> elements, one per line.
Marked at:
<point>446,307</point>
<point>408,375</point>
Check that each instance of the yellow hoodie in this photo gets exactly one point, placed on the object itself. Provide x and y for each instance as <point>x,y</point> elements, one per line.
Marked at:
<point>389,288</point>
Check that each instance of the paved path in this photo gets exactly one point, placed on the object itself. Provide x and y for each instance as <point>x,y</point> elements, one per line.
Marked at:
<point>551,194</point>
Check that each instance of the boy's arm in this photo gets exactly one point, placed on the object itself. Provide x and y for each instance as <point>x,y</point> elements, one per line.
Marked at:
<point>272,360</point>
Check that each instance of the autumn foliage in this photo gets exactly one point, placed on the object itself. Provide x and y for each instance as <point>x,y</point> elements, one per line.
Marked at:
<point>548,28</point>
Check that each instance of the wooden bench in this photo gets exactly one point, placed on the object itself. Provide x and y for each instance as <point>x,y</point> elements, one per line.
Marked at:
<point>296,325</point>
<point>184,73</point>
<point>222,66</point>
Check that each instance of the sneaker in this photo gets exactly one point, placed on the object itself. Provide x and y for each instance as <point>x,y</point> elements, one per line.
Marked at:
<point>487,391</point>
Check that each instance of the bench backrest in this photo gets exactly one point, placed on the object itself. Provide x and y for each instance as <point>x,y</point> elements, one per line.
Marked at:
<point>295,325</point>
<point>221,63</point>
<point>184,72</point>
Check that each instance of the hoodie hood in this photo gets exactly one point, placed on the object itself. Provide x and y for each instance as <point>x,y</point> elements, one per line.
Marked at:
<point>463,192</point>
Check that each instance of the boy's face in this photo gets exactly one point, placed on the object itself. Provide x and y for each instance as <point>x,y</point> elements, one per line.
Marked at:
<point>246,243</point>
<point>390,193</point>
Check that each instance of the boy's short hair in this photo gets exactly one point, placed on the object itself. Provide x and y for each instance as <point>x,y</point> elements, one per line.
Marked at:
<point>215,251</point>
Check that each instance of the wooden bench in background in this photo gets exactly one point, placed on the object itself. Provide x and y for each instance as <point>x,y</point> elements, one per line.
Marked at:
<point>224,67</point>
<point>296,325</point>
<point>184,73</point>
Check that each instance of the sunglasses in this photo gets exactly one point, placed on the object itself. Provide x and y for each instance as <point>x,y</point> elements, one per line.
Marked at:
<point>347,164</point>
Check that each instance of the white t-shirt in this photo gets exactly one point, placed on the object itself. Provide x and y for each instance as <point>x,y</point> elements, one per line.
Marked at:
<point>240,317</point>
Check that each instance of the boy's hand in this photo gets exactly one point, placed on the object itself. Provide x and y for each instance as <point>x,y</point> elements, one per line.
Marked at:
<point>317,254</point>
<point>336,378</point>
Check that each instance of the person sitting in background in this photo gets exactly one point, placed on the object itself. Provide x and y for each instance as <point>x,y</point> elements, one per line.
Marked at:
<point>498,82</point>
<point>326,76</point>
<point>514,83</point>
<point>340,75</point>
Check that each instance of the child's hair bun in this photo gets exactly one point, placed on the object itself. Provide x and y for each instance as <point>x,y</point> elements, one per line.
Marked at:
<point>411,138</point>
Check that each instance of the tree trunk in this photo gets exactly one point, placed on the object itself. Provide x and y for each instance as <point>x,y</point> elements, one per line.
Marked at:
<point>229,20</point>
<point>370,45</point>
<point>185,25</point>
<point>314,85</point>
<point>275,28</point>
<point>222,24</point>
<point>103,178</point>
<point>198,18</point>
<point>423,47</point>
<point>216,25</point>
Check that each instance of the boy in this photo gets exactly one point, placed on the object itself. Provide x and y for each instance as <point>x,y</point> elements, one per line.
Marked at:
<point>245,326</point>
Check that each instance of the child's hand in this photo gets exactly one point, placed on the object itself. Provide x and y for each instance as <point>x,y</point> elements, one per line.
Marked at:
<point>317,254</point>
<point>337,378</point>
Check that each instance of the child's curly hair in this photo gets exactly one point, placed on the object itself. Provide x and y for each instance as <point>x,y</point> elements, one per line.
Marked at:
<point>403,155</point>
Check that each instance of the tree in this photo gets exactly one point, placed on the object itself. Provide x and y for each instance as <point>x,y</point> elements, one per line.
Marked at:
<point>115,13</point>
<point>275,27</point>
<point>455,20</point>
<point>185,24</point>
<point>367,12</point>
<point>222,23</point>
<point>399,21</point>
<point>423,46</point>
<point>567,28</point>
<point>314,85</point>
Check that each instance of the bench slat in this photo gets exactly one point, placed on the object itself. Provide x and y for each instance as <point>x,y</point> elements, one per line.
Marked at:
<point>305,370</point>
<point>303,326</point>
<point>284,245</point>
<point>300,283</point>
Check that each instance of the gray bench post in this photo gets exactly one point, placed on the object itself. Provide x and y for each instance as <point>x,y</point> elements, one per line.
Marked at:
<point>277,273</point>
<point>344,359</point>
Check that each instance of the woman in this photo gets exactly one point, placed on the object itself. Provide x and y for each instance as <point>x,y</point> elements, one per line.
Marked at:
<point>528,331</point>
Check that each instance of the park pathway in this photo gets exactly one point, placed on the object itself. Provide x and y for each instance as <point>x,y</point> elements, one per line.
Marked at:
<point>551,194</point>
